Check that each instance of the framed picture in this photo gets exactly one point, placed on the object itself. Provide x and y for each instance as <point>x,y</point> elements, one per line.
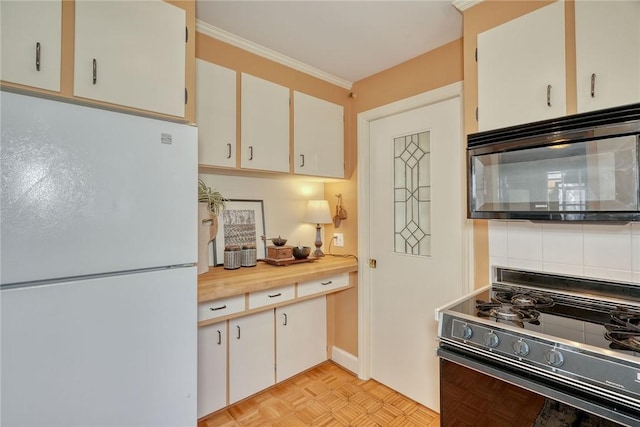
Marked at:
<point>240,222</point>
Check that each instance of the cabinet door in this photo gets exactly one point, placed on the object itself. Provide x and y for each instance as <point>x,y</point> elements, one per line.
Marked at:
<point>131,53</point>
<point>607,53</point>
<point>32,30</point>
<point>212,368</point>
<point>301,336</point>
<point>318,136</point>
<point>521,69</point>
<point>216,114</point>
<point>265,125</point>
<point>251,355</point>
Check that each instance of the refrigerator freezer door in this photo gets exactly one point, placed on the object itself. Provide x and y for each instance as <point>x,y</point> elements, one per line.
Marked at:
<point>110,351</point>
<point>89,191</point>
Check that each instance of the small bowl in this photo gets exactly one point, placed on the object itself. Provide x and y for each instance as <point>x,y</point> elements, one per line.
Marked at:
<point>301,252</point>
<point>279,241</point>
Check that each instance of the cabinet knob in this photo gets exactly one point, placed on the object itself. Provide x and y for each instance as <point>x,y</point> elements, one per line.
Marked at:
<point>301,160</point>
<point>95,71</point>
<point>238,336</point>
<point>228,151</point>
<point>219,337</point>
<point>250,152</point>
<point>548,95</point>
<point>38,56</point>
<point>593,85</point>
<point>285,319</point>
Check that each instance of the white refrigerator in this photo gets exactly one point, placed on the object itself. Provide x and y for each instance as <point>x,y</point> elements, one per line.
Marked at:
<point>98,229</point>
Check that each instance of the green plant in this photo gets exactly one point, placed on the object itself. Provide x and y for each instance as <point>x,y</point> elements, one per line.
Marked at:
<point>214,200</point>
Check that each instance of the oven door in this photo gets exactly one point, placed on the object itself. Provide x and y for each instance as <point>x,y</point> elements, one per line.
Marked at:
<point>478,392</point>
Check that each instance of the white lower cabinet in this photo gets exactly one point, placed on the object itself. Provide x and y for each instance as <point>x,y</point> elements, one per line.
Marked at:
<point>301,336</point>
<point>258,350</point>
<point>212,368</point>
<point>251,355</point>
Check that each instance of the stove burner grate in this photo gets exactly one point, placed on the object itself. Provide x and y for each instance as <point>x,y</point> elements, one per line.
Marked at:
<point>624,330</point>
<point>501,311</point>
<point>524,300</point>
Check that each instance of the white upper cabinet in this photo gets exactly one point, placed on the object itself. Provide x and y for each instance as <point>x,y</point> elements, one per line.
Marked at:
<point>264,125</point>
<point>521,69</point>
<point>131,53</point>
<point>607,53</point>
<point>31,34</point>
<point>216,114</point>
<point>318,136</point>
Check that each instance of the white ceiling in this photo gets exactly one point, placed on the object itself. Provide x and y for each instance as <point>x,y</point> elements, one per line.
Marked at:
<point>346,39</point>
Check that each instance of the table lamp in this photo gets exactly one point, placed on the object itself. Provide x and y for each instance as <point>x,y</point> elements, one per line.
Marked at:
<point>318,213</point>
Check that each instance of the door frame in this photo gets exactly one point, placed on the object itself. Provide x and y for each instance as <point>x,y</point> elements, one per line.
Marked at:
<point>364,275</point>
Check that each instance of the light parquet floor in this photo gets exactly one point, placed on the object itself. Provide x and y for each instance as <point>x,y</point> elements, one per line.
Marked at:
<point>326,395</point>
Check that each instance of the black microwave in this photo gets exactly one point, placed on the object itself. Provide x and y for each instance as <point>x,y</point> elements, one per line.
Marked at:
<point>582,167</point>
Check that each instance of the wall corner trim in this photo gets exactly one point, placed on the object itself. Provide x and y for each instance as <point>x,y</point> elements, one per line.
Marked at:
<point>345,359</point>
<point>249,46</point>
<point>463,5</point>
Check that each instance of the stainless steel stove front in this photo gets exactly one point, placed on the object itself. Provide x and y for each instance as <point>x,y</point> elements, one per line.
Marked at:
<point>559,358</point>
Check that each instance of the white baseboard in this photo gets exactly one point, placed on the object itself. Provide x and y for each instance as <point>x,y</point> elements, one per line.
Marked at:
<point>344,359</point>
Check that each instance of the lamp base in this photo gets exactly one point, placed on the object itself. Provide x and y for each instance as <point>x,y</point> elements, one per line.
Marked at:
<point>318,253</point>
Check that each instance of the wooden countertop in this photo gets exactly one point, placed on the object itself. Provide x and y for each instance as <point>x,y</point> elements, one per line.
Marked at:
<point>220,283</point>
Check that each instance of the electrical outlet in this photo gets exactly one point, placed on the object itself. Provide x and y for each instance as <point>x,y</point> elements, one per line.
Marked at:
<point>338,239</point>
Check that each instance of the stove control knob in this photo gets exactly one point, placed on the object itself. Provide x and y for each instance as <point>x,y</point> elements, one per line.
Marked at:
<point>520,348</point>
<point>467,332</point>
<point>491,339</point>
<point>554,358</point>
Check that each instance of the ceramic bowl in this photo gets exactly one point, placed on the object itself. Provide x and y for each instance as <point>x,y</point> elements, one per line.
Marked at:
<point>301,252</point>
<point>279,241</point>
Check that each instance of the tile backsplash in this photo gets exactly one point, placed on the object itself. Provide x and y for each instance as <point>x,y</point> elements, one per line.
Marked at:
<point>606,251</point>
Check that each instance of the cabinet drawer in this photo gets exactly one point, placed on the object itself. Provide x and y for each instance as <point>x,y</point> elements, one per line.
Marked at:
<point>220,307</point>
<point>271,296</point>
<point>323,285</point>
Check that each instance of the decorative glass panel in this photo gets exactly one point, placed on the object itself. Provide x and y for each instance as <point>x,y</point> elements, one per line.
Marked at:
<point>412,194</point>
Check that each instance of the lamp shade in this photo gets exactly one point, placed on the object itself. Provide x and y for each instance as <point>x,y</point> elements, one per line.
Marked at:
<point>318,212</point>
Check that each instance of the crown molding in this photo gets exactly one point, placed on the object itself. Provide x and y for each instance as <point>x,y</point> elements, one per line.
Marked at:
<point>249,46</point>
<point>463,5</point>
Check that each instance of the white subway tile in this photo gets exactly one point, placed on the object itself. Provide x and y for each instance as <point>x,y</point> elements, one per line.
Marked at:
<point>567,269</point>
<point>635,253</point>
<point>607,274</point>
<point>498,261</point>
<point>635,228</point>
<point>563,243</point>
<point>524,240</point>
<point>608,251</point>
<point>636,277</point>
<point>497,238</point>
<point>604,228</point>
<point>525,264</point>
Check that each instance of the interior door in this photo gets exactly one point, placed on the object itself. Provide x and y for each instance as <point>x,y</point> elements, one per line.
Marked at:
<point>417,225</point>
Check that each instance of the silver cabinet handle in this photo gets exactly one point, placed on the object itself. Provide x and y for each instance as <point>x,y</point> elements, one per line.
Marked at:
<point>219,337</point>
<point>326,283</point>
<point>593,85</point>
<point>285,319</point>
<point>301,160</point>
<point>95,71</point>
<point>548,95</point>
<point>250,152</point>
<point>238,336</point>
<point>38,56</point>
<point>228,151</point>
<point>275,295</point>
<point>222,307</point>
